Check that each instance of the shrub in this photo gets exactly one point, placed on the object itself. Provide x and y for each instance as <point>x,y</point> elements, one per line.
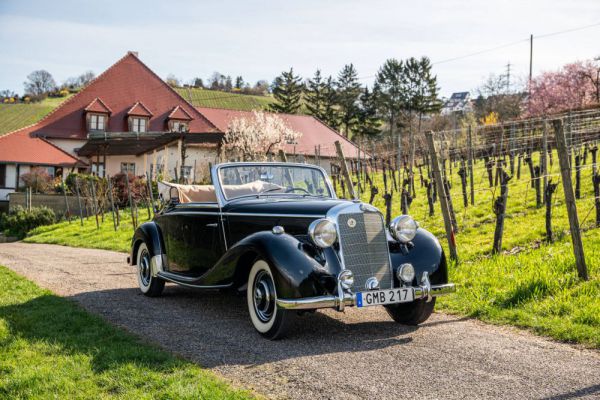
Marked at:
<point>137,186</point>
<point>19,221</point>
<point>38,180</point>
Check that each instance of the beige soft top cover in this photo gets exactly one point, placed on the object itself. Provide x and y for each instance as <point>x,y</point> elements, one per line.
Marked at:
<point>206,193</point>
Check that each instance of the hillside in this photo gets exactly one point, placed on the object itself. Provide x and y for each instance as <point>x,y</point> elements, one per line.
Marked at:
<point>15,116</point>
<point>217,99</point>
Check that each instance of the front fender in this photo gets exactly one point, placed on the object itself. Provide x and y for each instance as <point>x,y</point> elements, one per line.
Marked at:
<point>149,233</point>
<point>296,273</point>
<point>425,254</point>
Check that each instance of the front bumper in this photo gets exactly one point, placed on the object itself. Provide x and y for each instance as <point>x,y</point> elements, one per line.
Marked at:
<point>425,291</point>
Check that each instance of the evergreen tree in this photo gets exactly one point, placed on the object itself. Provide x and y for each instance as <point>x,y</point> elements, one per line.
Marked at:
<point>368,120</point>
<point>348,92</point>
<point>228,84</point>
<point>287,91</point>
<point>239,82</point>
<point>390,91</point>
<point>314,96</point>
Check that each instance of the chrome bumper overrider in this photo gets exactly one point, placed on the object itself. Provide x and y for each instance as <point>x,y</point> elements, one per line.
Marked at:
<point>349,299</point>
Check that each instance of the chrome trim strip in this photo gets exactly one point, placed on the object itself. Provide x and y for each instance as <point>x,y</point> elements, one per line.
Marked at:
<point>311,303</point>
<point>168,277</point>
<point>234,214</point>
<point>157,264</point>
<point>197,205</point>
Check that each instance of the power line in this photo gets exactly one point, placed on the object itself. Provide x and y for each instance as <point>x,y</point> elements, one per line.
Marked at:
<point>502,46</point>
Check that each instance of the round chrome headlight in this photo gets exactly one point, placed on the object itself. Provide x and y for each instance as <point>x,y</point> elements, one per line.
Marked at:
<point>322,232</point>
<point>403,228</point>
<point>406,273</point>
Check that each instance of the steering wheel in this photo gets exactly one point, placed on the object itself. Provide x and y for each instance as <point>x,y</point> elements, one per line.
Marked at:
<point>293,189</point>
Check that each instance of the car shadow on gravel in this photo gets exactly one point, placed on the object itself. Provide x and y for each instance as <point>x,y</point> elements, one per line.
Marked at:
<point>213,328</point>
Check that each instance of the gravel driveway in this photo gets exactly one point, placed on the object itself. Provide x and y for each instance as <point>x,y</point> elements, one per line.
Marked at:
<point>354,355</point>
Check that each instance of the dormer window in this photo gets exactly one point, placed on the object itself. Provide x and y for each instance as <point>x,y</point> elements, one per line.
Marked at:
<point>97,122</point>
<point>139,118</point>
<point>179,120</point>
<point>139,124</point>
<point>96,114</point>
<point>179,126</point>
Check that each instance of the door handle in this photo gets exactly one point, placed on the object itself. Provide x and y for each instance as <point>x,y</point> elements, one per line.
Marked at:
<point>211,225</point>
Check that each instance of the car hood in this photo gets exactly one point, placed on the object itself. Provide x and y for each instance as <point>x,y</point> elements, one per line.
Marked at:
<point>277,205</point>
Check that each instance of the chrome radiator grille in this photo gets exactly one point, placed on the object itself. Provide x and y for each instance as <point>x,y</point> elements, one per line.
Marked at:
<point>364,248</point>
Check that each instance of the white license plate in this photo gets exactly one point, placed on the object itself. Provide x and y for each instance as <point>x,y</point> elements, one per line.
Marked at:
<point>388,296</point>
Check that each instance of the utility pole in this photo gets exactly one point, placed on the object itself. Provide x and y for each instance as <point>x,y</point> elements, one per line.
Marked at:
<point>530,57</point>
<point>508,78</point>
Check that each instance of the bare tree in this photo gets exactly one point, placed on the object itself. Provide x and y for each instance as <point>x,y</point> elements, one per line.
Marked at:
<point>39,82</point>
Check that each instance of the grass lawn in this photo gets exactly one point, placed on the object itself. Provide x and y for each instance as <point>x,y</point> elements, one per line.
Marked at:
<point>52,348</point>
<point>532,285</point>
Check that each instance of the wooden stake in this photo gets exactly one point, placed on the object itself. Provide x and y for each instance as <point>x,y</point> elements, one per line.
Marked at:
<point>79,200</point>
<point>565,170</point>
<point>470,164</point>
<point>112,201</point>
<point>440,188</point>
<point>345,171</point>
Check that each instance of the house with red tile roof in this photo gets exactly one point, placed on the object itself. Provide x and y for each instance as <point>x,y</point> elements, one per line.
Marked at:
<point>129,120</point>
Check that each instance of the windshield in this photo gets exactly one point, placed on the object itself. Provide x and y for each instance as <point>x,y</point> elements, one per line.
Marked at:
<point>272,180</point>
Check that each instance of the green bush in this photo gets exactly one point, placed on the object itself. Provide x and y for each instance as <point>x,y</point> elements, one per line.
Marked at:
<point>19,221</point>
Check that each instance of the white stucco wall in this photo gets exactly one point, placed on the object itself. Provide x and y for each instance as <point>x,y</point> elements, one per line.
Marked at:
<point>68,145</point>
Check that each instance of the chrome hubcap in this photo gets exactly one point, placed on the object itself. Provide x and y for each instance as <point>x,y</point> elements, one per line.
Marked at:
<point>145,272</point>
<point>264,296</point>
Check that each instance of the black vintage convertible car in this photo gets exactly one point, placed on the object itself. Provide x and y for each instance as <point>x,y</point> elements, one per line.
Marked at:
<point>277,232</point>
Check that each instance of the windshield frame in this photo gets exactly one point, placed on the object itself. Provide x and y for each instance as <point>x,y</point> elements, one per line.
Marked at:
<point>222,199</point>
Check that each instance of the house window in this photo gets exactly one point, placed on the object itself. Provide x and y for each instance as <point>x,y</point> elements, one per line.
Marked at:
<point>179,126</point>
<point>2,175</point>
<point>128,168</point>
<point>97,122</point>
<point>138,124</point>
<point>98,169</point>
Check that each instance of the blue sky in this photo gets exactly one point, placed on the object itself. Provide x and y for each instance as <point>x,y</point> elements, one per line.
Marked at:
<point>259,39</point>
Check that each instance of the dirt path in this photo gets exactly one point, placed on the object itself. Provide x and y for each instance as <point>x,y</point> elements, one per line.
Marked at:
<point>359,354</point>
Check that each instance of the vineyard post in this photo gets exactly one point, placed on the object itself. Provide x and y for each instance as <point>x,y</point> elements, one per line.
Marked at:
<point>565,170</point>
<point>440,188</point>
<point>470,154</point>
<point>95,204</point>
<point>345,171</point>
<point>544,157</point>
<point>112,201</point>
<point>131,200</point>
<point>67,211</point>
<point>79,199</point>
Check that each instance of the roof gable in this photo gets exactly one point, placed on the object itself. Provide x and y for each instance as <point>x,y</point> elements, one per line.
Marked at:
<point>124,84</point>
<point>20,147</point>
<point>180,113</point>
<point>139,110</point>
<point>98,106</point>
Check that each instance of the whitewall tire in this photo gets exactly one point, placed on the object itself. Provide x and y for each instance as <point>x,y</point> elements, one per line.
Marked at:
<point>261,297</point>
<point>148,284</point>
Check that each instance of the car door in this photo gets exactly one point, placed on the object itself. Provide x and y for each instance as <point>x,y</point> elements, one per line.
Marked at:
<point>192,234</point>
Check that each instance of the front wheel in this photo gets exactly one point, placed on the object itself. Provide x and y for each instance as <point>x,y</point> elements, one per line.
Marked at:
<point>413,313</point>
<point>269,321</point>
<point>149,285</point>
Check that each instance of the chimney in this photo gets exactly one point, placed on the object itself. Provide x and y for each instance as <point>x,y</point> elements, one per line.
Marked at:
<point>134,53</point>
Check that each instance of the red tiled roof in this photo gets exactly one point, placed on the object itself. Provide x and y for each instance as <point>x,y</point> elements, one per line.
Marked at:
<point>180,113</point>
<point>314,132</point>
<point>21,147</point>
<point>98,106</point>
<point>139,110</point>
<point>126,82</point>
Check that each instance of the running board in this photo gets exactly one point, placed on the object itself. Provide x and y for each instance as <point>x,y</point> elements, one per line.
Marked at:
<point>188,281</point>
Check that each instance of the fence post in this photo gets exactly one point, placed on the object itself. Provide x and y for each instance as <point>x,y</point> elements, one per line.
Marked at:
<point>344,167</point>
<point>565,170</point>
<point>437,175</point>
<point>470,151</point>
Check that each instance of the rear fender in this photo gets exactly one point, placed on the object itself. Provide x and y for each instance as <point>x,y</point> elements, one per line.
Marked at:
<point>150,234</point>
